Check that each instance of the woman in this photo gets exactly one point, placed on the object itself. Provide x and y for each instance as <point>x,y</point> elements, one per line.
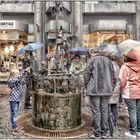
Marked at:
<point>115,97</point>
<point>130,87</point>
<point>77,66</point>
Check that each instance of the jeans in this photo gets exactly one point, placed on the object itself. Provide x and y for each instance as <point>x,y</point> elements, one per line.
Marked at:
<point>134,114</point>
<point>99,107</point>
<point>14,106</point>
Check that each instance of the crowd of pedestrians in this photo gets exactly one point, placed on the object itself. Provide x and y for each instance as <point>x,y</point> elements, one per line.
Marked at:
<point>105,81</point>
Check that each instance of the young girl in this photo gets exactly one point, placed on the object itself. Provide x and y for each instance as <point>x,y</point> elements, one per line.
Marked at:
<point>15,83</point>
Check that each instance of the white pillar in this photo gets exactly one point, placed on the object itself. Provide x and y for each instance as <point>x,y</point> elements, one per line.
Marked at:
<point>78,23</point>
<point>39,14</point>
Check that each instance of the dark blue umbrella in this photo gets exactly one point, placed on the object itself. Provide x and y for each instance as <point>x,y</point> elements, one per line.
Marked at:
<point>30,47</point>
<point>80,51</point>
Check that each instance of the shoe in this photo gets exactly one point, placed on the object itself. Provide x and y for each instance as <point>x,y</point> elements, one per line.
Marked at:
<point>105,136</point>
<point>128,134</point>
<point>27,107</point>
<point>94,137</point>
<point>138,134</point>
<point>16,131</point>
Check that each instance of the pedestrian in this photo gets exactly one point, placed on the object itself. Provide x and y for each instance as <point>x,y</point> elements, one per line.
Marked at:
<point>77,67</point>
<point>30,61</point>
<point>15,83</point>
<point>44,70</point>
<point>114,101</point>
<point>34,64</point>
<point>77,71</point>
<point>130,87</point>
<point>99,82</point>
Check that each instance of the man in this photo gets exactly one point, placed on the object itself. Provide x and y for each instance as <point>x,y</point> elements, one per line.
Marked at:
<point>43,70</point>
<point>99,82</point>
<point>30,61</point>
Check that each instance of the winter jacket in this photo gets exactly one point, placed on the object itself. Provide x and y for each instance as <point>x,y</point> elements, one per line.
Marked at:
<point>99,77</point>
<point>130,80</point>
<point>16,86</point>
<point>115,97</point>
<point>76,67</point>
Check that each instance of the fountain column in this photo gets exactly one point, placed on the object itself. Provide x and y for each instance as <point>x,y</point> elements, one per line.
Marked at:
<point>39,15</point>
<point>78,23</point>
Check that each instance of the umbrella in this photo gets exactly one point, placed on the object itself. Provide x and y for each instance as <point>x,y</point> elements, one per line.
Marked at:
<point>20,51</point>
<point>33,46</point>
<point>113,49</point>
<point>80,50</point>
<point>130,48</point>
<point>30,47</point>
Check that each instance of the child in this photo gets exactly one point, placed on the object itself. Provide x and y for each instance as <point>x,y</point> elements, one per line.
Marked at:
<point>15,83</point>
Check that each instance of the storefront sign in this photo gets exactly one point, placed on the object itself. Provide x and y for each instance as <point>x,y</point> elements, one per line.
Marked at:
<point>13,24</point>
<point>7,24</point>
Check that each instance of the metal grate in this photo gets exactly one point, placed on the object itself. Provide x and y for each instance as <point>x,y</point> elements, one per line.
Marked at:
<point>83,130</point>
<point>30,130</point>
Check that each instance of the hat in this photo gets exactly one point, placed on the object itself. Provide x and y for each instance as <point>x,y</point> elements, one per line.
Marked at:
<point>94,50</point>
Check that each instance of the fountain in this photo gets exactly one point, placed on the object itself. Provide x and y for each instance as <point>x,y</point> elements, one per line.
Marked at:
<point>56,100</point>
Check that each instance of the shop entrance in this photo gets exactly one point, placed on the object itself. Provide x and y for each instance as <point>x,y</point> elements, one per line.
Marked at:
<point>10,42</point>
<point>99,37</point>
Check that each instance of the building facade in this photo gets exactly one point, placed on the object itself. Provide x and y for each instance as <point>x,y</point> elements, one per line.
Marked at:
<point>92,23</point>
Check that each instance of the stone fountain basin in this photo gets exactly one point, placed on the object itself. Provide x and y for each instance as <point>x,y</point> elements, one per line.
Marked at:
<point>56,111</point>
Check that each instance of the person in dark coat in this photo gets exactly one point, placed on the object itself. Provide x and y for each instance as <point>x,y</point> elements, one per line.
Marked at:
<point>30,61</point>
<point>99,82</point>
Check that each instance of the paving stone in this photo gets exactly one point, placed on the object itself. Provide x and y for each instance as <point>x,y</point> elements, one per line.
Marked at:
<point>5,125</point>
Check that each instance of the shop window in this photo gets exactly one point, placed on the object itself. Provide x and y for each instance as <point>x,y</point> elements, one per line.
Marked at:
<point>99,37</point>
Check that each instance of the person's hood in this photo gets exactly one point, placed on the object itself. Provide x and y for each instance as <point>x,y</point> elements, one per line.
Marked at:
<point>134,65</point>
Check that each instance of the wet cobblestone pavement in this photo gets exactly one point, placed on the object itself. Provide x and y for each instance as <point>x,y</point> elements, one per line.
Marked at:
<point>5,125</point>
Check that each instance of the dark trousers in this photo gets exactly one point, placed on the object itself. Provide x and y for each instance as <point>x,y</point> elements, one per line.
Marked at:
<point>99,107</point>
<point>27,98</point>
<point>114,112</point>
<point>134,114</point>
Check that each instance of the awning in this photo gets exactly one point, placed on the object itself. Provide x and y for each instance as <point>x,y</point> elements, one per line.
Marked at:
<point>108,25</point>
